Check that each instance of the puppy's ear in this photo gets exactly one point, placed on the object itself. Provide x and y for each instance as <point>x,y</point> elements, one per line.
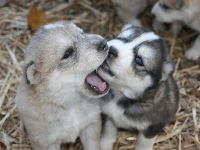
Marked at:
<point>31,74</point>
<point>168,69</point>
<point>178,3</point>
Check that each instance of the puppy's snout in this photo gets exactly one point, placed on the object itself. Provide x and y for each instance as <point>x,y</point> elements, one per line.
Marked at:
<point>103,45</point>
<point>112,53</point>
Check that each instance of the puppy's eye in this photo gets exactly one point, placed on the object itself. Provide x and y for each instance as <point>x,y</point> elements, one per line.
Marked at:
<point>139,61</point>
<point>164,6</point>
<point>68,53</point>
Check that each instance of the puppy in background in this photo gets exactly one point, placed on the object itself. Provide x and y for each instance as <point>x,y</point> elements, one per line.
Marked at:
<point>186,11</point>
<point>129,10</point>
<point>143,94</point>
<point>57,96</point>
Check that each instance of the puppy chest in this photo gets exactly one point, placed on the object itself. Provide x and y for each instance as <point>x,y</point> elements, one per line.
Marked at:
<point>65,125</point>
<point>121,120</point>
<point>56,129</point>
<point>79,117</point>
<point>61,133</point>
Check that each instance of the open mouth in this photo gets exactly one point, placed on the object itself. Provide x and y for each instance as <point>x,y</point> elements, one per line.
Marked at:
<point>96,84</point>
<point>106,68</point>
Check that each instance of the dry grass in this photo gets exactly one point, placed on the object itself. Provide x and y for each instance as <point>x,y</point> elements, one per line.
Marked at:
<point>95,17</point>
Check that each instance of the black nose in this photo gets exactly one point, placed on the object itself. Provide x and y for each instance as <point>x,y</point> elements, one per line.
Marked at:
<point>112,53</point>
<point>103,45</point>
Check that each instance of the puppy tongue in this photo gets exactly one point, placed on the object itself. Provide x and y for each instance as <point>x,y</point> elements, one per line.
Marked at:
<point>95,81</point>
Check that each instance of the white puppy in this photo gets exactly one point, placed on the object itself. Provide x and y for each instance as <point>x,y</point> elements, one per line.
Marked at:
<point>186,11</point>
<point>57,96</point>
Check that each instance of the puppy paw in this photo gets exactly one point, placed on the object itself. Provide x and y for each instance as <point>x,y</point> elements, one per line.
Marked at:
<point>192,54</point>
<point>106,144</point>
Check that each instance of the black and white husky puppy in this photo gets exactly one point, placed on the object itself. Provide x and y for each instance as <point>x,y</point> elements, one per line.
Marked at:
<point>143,95</point>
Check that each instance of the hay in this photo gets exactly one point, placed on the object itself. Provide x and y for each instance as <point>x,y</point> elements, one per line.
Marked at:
<point>94,17</point>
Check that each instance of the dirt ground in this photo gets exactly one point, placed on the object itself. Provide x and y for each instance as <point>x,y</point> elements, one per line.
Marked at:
<point>93,16</point>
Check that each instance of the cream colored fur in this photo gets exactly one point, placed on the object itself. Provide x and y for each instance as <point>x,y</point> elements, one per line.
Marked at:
<point>53,101</point>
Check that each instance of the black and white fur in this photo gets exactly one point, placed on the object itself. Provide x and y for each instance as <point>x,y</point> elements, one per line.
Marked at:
<point>143,95</point>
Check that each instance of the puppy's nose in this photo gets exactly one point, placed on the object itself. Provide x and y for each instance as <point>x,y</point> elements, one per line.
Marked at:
<point>103,45</point>
<point>112,53</point>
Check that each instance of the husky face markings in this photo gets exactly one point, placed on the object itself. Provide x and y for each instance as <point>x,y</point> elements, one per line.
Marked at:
<point>143,92</point>
<point>132,83</point>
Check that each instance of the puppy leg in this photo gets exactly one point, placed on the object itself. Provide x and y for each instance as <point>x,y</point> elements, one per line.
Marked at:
<point>109,135</point>
<point>194,52</point>
<point>147,137</point>
<point>144,143</point>
<point>52,146</point>
<point>90,136</point>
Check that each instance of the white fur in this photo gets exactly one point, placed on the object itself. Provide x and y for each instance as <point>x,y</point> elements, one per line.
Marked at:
<point>126,33</point>
<point>146,52</point>
<point>149,36</point>
<point>144,143</point>
<point>53,25</point>
<point>109,135</point>
<point>126,26</point>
